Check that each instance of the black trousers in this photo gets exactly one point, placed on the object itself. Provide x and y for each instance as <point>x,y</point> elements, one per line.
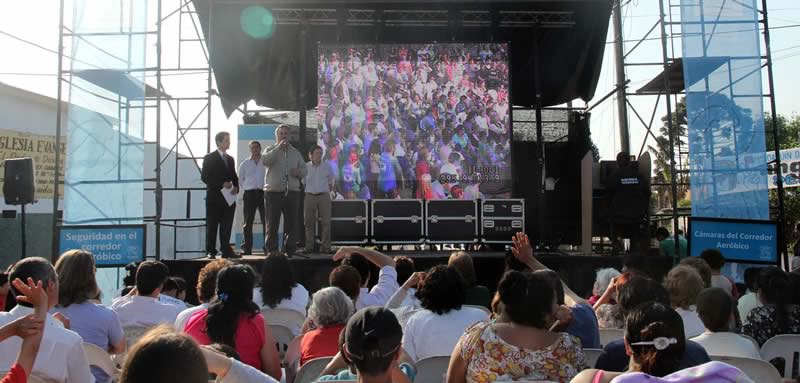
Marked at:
<point>287,204</point>
<point>253,201</point>
<point>219,218</point>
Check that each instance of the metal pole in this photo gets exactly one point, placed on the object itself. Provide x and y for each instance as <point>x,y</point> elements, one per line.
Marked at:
<point>56,175</point>
<point>776,139</point>
<point>619,64</point>
<point>539,136</point>
<point>158,192</point>
<point>670,128</point>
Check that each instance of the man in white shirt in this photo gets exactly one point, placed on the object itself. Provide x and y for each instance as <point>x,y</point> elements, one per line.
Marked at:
<point>715,308</point>
<point>750,300</point>
<point>251,179</point>
<point>61,357</point>
<point>360,258</point>
<point>319,183</point>
<point>142,307</point>
<point>206,290</point>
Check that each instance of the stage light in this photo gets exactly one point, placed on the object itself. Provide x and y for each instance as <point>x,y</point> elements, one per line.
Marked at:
<point>257,22</point>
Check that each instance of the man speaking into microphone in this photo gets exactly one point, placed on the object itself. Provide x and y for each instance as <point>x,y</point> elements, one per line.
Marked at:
<point>285,169</point>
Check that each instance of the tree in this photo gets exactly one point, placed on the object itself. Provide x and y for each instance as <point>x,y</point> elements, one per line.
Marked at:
<point>789,136</point>
<point>662,156</point>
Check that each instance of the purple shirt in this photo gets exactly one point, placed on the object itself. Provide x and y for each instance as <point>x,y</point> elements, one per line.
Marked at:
<point>97,325</point>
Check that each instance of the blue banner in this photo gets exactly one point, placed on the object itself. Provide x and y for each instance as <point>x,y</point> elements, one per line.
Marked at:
<point>739,241</point>
<point>112,245</point>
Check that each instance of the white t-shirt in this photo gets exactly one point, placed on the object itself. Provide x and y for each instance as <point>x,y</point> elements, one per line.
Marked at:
<point>428,334</point>
<point>746,304</point>
<point>727,344</point>
<point>722,282</point>
<point>183,317</point>
<point>381,292</point>
<point>297,302</point>
<point>692,325</point>
<point>144,311</point>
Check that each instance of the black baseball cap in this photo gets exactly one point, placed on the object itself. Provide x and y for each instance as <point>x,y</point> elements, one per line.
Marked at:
<point>372,333</point>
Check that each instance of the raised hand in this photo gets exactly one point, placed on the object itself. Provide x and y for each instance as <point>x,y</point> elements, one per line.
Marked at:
<point>31,292</point>
<point>27,326</point>
<point>521,248</point>
<point>343,252</point>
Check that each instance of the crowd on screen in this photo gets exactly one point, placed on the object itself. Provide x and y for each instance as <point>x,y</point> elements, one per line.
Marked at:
<point>416,121</point>
<point>534,327</point>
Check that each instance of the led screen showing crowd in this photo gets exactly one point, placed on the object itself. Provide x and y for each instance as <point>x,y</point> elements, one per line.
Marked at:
<point>428,121</point>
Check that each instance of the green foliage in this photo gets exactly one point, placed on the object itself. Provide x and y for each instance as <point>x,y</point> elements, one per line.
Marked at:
<point>662,155</point>
<point>788,132</point>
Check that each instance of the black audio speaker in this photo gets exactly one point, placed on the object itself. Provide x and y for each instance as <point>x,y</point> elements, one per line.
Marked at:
<point>18,185</point>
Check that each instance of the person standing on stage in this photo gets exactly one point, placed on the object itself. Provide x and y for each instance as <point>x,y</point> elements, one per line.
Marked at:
<point>219,172</point>
<point>251,177</point>
<point>285,169</point>
<point>319,183</point>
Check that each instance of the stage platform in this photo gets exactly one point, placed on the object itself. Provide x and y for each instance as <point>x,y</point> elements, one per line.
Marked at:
<point>312,270</point>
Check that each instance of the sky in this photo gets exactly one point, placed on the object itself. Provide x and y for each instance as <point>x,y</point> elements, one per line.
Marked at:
<point>34,67</point>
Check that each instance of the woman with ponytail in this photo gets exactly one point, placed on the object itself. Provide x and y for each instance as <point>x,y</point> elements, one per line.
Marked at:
<point>777,315</point>
<point>234,320</point>
<point>518,344</point>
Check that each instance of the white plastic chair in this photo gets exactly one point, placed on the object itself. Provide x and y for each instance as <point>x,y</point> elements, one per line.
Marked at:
<point>608,335</point>
<point>758,370</point>
<point>291,359</point>
<point>291,319</point>
<point>782,346</point>
<point>479,307</point>
<point>311,370</point>
<point>283,336</point>
<point>591,356</point>
<point>99,358</point>
<point>433,369</point>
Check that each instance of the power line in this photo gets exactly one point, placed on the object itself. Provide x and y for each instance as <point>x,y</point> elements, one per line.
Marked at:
<point>45,48</point>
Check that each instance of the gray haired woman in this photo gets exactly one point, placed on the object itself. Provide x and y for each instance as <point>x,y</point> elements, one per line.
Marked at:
<point>329,311</point>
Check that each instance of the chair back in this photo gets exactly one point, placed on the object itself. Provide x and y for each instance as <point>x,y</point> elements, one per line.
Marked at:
<point>310,371</point>
<point>591,356</point>
<point>433,369</point>
<point>291,359</point>
<point>756,369</point>
<point>97,357</point>
<point>291,319</point>
<point>283,336</point>
<point>782,346</point>
<point>479,307</point>
<point>608,335</point>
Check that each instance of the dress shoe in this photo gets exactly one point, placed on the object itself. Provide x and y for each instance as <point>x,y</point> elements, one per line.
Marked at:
<point>211,256</point>
<point>245,252</point>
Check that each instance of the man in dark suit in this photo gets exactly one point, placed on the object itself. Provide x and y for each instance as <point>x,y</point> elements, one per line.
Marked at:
<point>219,172</point>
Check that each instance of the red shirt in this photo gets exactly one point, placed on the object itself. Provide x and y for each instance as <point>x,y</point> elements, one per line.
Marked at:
<point>320,343</point>
<point>249,337</point>
<point>15,375</point>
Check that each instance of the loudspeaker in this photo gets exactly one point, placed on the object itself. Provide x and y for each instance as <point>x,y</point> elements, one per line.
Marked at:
<point>18,185</point>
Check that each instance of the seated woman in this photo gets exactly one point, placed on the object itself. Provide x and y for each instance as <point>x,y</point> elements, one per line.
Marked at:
<point>279,288</point>
<point>607,308</point>
<point>601,283</point>
<point>95,323</point>
<point>474,293</point>
<point>518,344</point>
<point>434,330</point>
<point>330,309</point>
<point>234,320</point>
<point>683,283</point>
<point>654,339</point>
<point>777,315</point>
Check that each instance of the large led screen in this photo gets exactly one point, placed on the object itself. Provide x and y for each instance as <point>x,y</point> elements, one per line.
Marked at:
<point>429,121</point>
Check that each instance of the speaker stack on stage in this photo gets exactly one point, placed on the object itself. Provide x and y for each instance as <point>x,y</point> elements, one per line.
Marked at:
<point>19,187</point>
<point>414,221</point>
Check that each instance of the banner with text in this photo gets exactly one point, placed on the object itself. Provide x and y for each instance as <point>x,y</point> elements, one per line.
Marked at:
<point>112,245</point>
<point>790,168</point>
<point>42,148</point>
<point>739,241</point>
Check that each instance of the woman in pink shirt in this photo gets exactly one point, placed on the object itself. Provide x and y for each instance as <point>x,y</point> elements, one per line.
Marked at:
<point>234,305</point>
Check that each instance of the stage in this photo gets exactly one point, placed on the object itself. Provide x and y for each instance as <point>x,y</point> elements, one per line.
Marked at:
<point>312,270</point>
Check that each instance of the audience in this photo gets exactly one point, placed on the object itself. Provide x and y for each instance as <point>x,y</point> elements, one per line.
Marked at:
<point>684,284</point>
<point>279,288</point>
<point>5,290</point>
<point>517,345</point>
<point>716,261</point>
<point>30,328</point>
<point>61,357</point>
<point>234,320</point>
<point>637,291</point>
<point>702,268</point>
<point>329,311</point>
<point>175,287</point>
<point>777,315</point>
<point>474,294</point>
<point>666,242</point>
<point>435,330</point>
<point>362,260</point>
<point>95,323</point>
<point>715,308</point>
<point>607,308</point>
<point>654,339</point>
<point>405,303</point>
<point>370,346</point>
<point>405,267</point>
<point>601,283</point>
<point>347,279</point>
<point>141,306</point>
<point>749,301</point>
<point>206,290</point>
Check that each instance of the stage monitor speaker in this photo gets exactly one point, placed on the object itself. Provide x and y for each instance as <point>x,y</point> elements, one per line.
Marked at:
<point>19,187</point>
<point>451,221</point>
<point>501,218</point>
<point>349,222</point>
<point>397,221</point>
